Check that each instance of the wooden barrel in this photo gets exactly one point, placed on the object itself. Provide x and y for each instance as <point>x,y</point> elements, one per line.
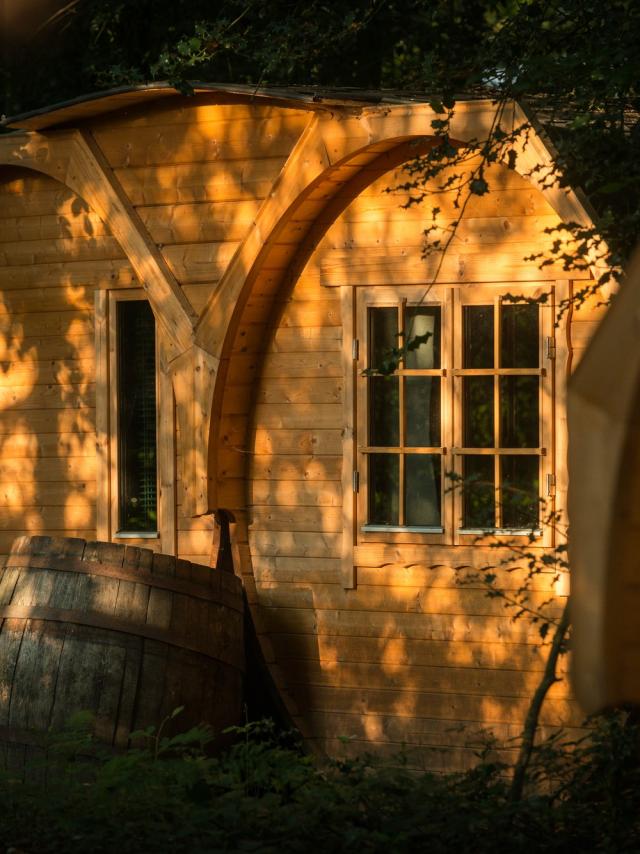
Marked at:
<point>122,632</point>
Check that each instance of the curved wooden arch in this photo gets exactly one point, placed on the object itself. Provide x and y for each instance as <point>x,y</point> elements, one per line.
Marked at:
<point>334,159</point>
<point>325,171</point>
<point>333,151</point>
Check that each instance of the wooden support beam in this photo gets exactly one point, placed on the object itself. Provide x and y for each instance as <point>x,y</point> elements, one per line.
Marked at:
<point>193,376</point>
<point>74,158</point>
<point>93,179</point>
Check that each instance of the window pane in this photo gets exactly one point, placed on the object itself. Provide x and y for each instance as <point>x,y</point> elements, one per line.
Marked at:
<point>520,491</point>
<point>384,412</point>
<point>519,412</point>
<point>479,492</point>
<point>422,406</point>
<point>422,490</point>
<point>136,367</point>
<point>477,331</point>
<point>383,334</point>
<point>384,489</point>
<point>423,321</point>
<point>478,424</point>
<point>519,336</point>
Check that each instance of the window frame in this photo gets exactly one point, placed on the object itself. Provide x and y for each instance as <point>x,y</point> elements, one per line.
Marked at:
<point>452,298</point>
<point>107,437</point>
<point>492,295</point>
<point>380,297</point>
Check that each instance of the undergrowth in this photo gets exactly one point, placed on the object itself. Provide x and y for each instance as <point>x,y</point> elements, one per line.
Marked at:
<point>264,795</point>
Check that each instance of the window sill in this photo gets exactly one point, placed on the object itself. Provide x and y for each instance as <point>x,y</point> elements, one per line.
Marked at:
<point>136,535</point>
<point>400,529</point>
<point>502,532</point>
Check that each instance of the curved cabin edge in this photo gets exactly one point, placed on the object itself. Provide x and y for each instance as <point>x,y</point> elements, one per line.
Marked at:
<point>277,267</point>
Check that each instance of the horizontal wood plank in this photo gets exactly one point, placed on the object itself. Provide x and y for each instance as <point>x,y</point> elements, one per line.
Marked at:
<point>280,518</point>
<point>301,365</point>
<point>298,544</point>
<point>378,624</point>
<point>389,653</point>
<point>198,222</point>
<point>439,602</point>
<point>317,469</point>
<point>63,250</point>
<point>296,493</point>
<point>297,416</point>
<point>297,442</point>
<point>218,139</point>
<point>441,680</point>
<point>201,182</point>
<point>452,707</point>
<point>284,390</point>
<point>50,226</point>
<point>79,419</point>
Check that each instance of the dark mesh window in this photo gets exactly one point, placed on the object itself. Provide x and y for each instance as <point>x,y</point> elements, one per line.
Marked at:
<point>137,472</point>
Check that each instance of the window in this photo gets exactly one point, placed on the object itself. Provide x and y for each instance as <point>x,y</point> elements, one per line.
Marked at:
<point>135,429</point>
<point>137,422</point>
<point>456,440</point>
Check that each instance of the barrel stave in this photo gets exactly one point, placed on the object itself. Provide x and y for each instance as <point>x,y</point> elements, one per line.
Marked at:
<point>50,668</point>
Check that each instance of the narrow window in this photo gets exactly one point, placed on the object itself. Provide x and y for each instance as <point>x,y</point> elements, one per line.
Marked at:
<point>137,427</point>
<point>404,445</point>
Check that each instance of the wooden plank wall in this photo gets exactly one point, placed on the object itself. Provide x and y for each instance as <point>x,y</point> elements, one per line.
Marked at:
<point>54,253</point>
<point>409,656</point>
<point>197,173</point>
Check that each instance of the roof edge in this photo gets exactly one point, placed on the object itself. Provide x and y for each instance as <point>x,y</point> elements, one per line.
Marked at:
<point>110,100</point>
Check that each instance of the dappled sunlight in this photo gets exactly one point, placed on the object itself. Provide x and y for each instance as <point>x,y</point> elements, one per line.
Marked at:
<point>492,237</point>
<point>79,511</point>
<point>413,651</point>
<point>418,652</point>
<point>77,296</point>
<point>18,368</point>
<point>54,253</point>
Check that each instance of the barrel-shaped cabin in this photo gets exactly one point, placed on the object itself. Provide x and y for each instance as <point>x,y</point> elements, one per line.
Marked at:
<point>196,297</point>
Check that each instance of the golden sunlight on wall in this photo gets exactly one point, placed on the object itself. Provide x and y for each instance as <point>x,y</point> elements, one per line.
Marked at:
<point>197,174</point>
<point>54,253</point>
<point>410,656</point>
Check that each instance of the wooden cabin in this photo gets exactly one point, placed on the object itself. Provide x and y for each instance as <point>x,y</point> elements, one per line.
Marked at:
<point>604,463</point>
<point>192,289</point>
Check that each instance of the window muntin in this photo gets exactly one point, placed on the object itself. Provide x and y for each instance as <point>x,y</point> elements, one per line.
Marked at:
<point>136,416</point>
<point>491,375</point>
<point>403,447</point>
<point>501,388</point>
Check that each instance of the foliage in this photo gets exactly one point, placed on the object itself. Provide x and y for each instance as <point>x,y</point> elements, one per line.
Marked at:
<point>573,63</point>
<point>265,796</point>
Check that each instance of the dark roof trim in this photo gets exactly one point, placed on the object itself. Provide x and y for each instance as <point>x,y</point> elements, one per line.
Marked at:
<point>122,97</point>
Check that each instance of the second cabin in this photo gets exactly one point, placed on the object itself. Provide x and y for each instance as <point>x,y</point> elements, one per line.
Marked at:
<point>196,297</point>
